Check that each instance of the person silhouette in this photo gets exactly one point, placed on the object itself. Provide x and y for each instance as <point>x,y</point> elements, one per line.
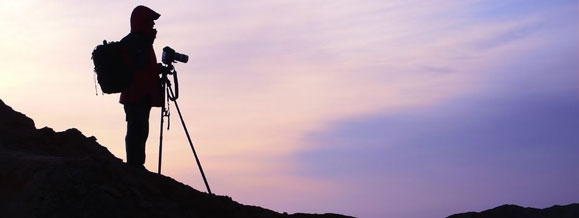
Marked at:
<point>144,91</point>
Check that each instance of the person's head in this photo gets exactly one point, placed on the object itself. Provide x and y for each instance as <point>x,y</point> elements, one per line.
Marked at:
<point>143,21</point>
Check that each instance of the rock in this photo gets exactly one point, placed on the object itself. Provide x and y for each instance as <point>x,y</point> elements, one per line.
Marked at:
<point>48,174</point>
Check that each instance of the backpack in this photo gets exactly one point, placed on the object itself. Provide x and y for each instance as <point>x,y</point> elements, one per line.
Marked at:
<point>111,70</point>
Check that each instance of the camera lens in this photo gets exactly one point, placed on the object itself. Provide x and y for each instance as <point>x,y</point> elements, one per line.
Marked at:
<point>181,57</point>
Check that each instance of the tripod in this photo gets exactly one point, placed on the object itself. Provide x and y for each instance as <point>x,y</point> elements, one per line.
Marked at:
<point>168,91</point>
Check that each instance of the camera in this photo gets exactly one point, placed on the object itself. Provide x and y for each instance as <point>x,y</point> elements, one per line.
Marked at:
<point>171,56</point>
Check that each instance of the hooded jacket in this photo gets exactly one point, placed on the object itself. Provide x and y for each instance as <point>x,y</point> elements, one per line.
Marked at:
<point>140,58</point>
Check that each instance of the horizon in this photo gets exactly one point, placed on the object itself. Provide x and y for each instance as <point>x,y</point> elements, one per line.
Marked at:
<point>362,108</point>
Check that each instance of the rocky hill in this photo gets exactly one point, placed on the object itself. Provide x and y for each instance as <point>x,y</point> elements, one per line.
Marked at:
<point>514,211</point>
<point>44,173</point>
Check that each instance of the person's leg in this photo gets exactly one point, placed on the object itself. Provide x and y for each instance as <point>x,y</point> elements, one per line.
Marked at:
<point>143,135</point>
<point>137,133</point>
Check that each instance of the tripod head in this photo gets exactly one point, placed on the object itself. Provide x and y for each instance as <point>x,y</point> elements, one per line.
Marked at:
<point>169,69</point>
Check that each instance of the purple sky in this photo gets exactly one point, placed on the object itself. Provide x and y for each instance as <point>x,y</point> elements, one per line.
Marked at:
<point>513,140</point>
<point>472,153</point>
<point>370,108</point>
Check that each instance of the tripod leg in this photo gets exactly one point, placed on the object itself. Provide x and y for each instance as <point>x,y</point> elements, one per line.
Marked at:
<point>190,142</point>
<point>161,139</point>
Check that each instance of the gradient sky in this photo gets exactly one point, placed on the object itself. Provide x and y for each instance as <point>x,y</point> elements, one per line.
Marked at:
<point>366,108</point>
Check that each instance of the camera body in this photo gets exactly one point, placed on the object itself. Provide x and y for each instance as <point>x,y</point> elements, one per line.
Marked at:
<point>171,56</point>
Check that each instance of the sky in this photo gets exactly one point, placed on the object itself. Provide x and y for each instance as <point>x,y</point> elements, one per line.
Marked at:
<point>365,108</point>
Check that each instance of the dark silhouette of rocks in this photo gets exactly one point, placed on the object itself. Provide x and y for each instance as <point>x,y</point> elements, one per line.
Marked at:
<point>47,174</point>
<point>514,211</point>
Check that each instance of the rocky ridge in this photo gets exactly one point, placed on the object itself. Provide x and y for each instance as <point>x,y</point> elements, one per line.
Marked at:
<point>44,173</point>
<point>514,211</point>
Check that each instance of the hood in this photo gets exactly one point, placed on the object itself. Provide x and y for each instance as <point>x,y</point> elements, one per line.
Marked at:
<point>142,20</point>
